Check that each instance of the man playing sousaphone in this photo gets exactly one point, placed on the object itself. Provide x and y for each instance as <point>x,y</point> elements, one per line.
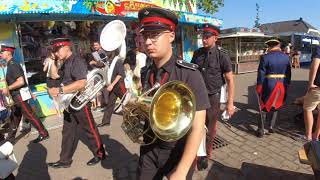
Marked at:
<point>73,75</point>
<point>174,160</point>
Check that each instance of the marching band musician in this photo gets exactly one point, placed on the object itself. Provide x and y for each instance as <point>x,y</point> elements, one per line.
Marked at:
<point>16,81</point>
<point>115,88</point>
<point>216,69</point>
<point>274,76</point>
<point>174,160</point>
<point>73,74</point>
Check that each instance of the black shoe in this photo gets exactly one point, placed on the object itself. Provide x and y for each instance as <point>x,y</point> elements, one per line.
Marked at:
<point>59,164</point>
<point>103,124</point>
<point>271,130</point>
<point>260,133</point>
<point>40,138</point>
<point>95,160</point>
<point>202,163</point>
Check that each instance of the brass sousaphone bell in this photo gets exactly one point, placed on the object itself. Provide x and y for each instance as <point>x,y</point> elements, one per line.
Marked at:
<point>169,113</point>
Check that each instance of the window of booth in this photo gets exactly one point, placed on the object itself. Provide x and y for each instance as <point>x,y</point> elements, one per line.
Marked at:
<point>230,45</point>
<point>250,49</point>
<point>35,37</point>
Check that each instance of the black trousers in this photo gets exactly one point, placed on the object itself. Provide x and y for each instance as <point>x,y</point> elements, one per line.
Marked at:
<point>22,108</point>
<point>156,162</point>
<point>110,100</point>
<point>70,134</point>
<point>212,115</point>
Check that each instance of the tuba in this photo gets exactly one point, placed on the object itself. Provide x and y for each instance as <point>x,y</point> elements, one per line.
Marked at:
<point>169,113</point>
<point>96,80</point>
<point>112,38</point>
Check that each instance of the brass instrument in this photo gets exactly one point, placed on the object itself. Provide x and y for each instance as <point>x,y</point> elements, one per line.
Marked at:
<point>7,100</point>
<point>169,113</point>
<point>112,39</point>
<point>96,80</point>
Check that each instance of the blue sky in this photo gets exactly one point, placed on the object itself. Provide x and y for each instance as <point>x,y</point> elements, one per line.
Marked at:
<point>242,13</point>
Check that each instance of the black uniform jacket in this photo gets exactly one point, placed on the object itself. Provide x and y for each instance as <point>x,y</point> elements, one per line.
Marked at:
<point>212,63</point>
<point>75,68</point>
<point>14,71</point>
<point>176,69</point>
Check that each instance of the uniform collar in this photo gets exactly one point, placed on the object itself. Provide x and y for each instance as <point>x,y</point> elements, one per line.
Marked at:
<point>275,50</point>
<point>212,50</point>
<point>167,66</point>
<point>10,61</point>
<point>70,58</point>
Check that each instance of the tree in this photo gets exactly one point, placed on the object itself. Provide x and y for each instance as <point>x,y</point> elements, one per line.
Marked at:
<point>256,22</point>
<point>210,6</point>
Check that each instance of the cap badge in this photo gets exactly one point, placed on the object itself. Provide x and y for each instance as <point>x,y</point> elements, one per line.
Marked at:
<point>146,12</point>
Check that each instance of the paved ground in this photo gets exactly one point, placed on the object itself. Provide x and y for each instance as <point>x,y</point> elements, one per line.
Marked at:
<point>245,158</point>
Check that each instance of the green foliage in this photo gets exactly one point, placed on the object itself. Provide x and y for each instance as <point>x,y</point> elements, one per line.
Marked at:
<point>210,6</point>
<point>257,20</point>
<point>88,4</point>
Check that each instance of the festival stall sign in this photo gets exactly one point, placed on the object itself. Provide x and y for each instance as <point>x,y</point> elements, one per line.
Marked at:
<point>186,9</point>
<point>199,19</point>
<point>240,29</point>
<point>102,7</point>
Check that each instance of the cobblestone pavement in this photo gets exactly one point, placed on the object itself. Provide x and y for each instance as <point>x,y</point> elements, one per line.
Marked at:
<point>244,158</point>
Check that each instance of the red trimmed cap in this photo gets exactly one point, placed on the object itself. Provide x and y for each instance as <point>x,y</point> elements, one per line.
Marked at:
<point>154,19</point>
<point>59,42</point>
<point>211,30</point>
<point>7,48</point>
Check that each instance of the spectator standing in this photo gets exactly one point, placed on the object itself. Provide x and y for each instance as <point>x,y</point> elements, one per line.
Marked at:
<point>312,98</point>
<point>274,76</point>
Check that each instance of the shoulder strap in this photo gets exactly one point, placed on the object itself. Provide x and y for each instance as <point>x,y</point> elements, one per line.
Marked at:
<point>187,65</point>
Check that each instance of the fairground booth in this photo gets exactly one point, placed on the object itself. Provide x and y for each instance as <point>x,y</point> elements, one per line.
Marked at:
<point>305,43</point>
<point>244,46</point>
<point>28,25</point>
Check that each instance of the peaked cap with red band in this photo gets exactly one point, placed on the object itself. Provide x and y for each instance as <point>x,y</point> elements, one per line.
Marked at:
<point>59,42</point>
<point>209,29</point>
<point>7,48</point>
<point>155,19</point>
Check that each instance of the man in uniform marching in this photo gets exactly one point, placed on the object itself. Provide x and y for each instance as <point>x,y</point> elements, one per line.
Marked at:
<point>16,81</point>
<point>274,76</point>
<point>73,74</point>
<point>216,69</point>
<point>174,160</point>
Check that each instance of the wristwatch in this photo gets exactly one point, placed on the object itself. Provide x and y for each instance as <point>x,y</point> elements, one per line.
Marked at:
<point>60,90</point>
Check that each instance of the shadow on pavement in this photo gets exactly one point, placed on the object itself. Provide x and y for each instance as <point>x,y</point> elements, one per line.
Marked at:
<point>250,171</point>
<point>33,164</point>
<point>219,171</point>
<point>119,159</point>
<point>246,119</point>
<point>253,172</point>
